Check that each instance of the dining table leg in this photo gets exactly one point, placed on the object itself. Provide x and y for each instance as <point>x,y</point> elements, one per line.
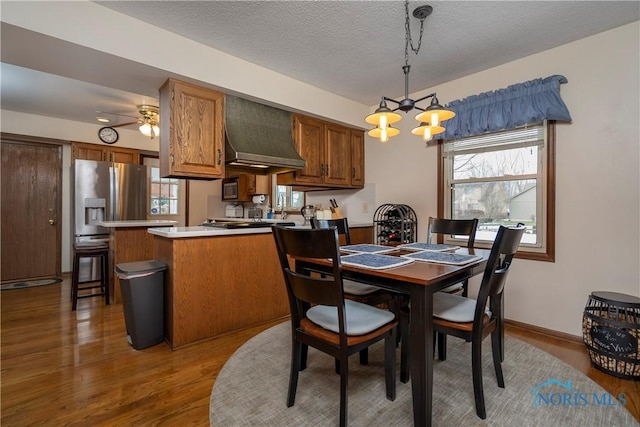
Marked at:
<point>421,354</point>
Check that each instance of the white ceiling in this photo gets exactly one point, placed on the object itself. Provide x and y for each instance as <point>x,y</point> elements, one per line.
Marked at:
<point>351,48</point>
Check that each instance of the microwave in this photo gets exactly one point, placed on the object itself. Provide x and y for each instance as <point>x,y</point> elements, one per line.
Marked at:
<point>230,189</point>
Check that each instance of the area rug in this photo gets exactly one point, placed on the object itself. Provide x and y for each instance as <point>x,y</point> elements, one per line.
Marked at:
<point>251,390</point>
<point>29,284</point>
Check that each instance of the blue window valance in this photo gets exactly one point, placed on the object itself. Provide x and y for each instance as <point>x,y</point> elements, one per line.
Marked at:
<point>504,109</point>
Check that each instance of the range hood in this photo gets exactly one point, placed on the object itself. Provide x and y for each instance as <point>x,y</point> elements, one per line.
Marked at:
<point>258,138</point>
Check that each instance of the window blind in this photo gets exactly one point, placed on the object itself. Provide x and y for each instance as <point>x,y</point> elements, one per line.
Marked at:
<point>516,138</point>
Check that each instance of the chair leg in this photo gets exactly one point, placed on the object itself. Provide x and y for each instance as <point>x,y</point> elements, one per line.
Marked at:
<point>293,374</point>
<point>344,380</point>
<point>75,282</point>
<point>442,346</point>
<point>404,347</point>
<point>390,364</point>
<point>496,349</point>
<point>364,357</point>
<point>476,367</point>
<point>303,356</point>
<point>104,261</point>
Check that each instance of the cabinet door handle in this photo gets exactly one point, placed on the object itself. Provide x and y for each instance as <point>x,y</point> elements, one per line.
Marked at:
<point>219,156</point>
<point>353,172</point>
<point>326,170</point>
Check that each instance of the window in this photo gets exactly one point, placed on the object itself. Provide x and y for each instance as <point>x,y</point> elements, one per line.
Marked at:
<point>503,178</point>
<point>164,194</point>
<point>293,200</point>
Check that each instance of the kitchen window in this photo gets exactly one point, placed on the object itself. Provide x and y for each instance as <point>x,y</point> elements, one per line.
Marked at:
<point>503,178</point>
<point>164,194</point>
<point>292,200</point>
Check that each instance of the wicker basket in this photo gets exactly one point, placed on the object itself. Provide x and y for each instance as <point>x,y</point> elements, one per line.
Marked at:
<point>611,332</point>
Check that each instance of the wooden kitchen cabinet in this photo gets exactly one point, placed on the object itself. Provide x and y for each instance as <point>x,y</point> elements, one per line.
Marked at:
<point>334,155</point>
<point>357,158</point>
<point>361,235</point>
<point>101,153</point>
<point>191,131</point>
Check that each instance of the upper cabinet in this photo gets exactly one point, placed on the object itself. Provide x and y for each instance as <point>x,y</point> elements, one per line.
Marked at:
<point>357,158</point>
<point>191,131</point>
<point>103,153</point>
<point>334,155</point>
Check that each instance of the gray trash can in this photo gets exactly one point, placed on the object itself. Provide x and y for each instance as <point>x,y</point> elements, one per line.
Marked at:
<point>142,287</point>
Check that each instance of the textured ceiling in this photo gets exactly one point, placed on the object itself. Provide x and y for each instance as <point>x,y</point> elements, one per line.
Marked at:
<point>351,48</point>
<point>356,48</point>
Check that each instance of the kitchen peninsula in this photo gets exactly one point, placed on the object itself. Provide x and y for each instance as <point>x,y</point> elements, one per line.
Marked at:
<point>129,241</point>
<point>218,281</point>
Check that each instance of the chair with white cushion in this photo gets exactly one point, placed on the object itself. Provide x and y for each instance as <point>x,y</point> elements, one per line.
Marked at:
<point>321,317</point>
<point>356,291</point>
<point>470,319</point>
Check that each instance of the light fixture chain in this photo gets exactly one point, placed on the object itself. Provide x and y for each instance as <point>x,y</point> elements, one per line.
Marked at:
<point>408,41</point>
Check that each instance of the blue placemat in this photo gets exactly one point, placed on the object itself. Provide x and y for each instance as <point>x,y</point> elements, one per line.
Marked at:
<point>374,261</point>
<point>443,258</point>
<point>433,247</point>
<point>367,248</point>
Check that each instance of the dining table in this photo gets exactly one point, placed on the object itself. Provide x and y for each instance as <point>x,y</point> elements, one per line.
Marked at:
<point>418,280</point>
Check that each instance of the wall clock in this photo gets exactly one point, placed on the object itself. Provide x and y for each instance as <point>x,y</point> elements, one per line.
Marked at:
<point>108,135</point>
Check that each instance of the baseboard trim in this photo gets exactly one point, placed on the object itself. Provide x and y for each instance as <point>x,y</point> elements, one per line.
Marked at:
<point>543,331</point>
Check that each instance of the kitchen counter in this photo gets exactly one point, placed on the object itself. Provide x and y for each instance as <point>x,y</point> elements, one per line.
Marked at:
<point>129,242</point>
<point>138,223</point>
<point>218,281</point>
<point>221,280</point>
<point>201,231</point>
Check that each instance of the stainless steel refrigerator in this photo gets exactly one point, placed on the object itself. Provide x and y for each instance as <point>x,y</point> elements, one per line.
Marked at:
<point>105,191</point>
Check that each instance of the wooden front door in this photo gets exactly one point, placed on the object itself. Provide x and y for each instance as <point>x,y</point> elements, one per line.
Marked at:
<point>30,245</point>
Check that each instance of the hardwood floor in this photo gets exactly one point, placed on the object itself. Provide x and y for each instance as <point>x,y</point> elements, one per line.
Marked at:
<point>66,368</point>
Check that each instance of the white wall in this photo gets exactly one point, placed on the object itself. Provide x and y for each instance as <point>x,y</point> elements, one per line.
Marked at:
<point>597,165</point>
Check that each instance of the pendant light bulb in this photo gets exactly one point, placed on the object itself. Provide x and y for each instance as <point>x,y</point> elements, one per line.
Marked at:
<point>383,122</point>
<point>434,119</point>
<point>383,135</point>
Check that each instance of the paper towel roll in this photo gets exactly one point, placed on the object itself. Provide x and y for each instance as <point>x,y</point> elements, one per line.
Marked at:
<point>259,199</point>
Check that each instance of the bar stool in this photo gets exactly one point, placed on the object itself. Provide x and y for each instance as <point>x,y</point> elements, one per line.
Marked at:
<point>90,250</point>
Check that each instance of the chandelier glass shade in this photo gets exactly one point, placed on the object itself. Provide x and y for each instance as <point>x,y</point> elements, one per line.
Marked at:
<point>147,129</point>
<point>430,118</point>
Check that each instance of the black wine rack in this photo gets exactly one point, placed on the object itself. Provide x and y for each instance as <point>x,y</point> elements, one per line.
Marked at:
<point>395,225</point>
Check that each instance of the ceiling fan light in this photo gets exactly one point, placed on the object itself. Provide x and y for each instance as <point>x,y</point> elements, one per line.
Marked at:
<point>145,129</point>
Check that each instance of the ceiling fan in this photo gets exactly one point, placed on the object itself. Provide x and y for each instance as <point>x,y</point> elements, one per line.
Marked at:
<point>149,124</point>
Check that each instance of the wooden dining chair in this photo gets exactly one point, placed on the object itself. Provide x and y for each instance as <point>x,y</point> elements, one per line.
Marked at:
<point>439,227</point>
<point>356,291</point>
<point>470,319</point>
<point>361,292</point>
<point>322,318</point>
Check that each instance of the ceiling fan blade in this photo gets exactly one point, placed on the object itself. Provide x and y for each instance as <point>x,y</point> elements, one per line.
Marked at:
<point>115,114</point>
<point>125,124</point>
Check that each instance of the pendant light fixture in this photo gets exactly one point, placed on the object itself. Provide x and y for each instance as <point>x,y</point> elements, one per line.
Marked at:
<point>431,117</point>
